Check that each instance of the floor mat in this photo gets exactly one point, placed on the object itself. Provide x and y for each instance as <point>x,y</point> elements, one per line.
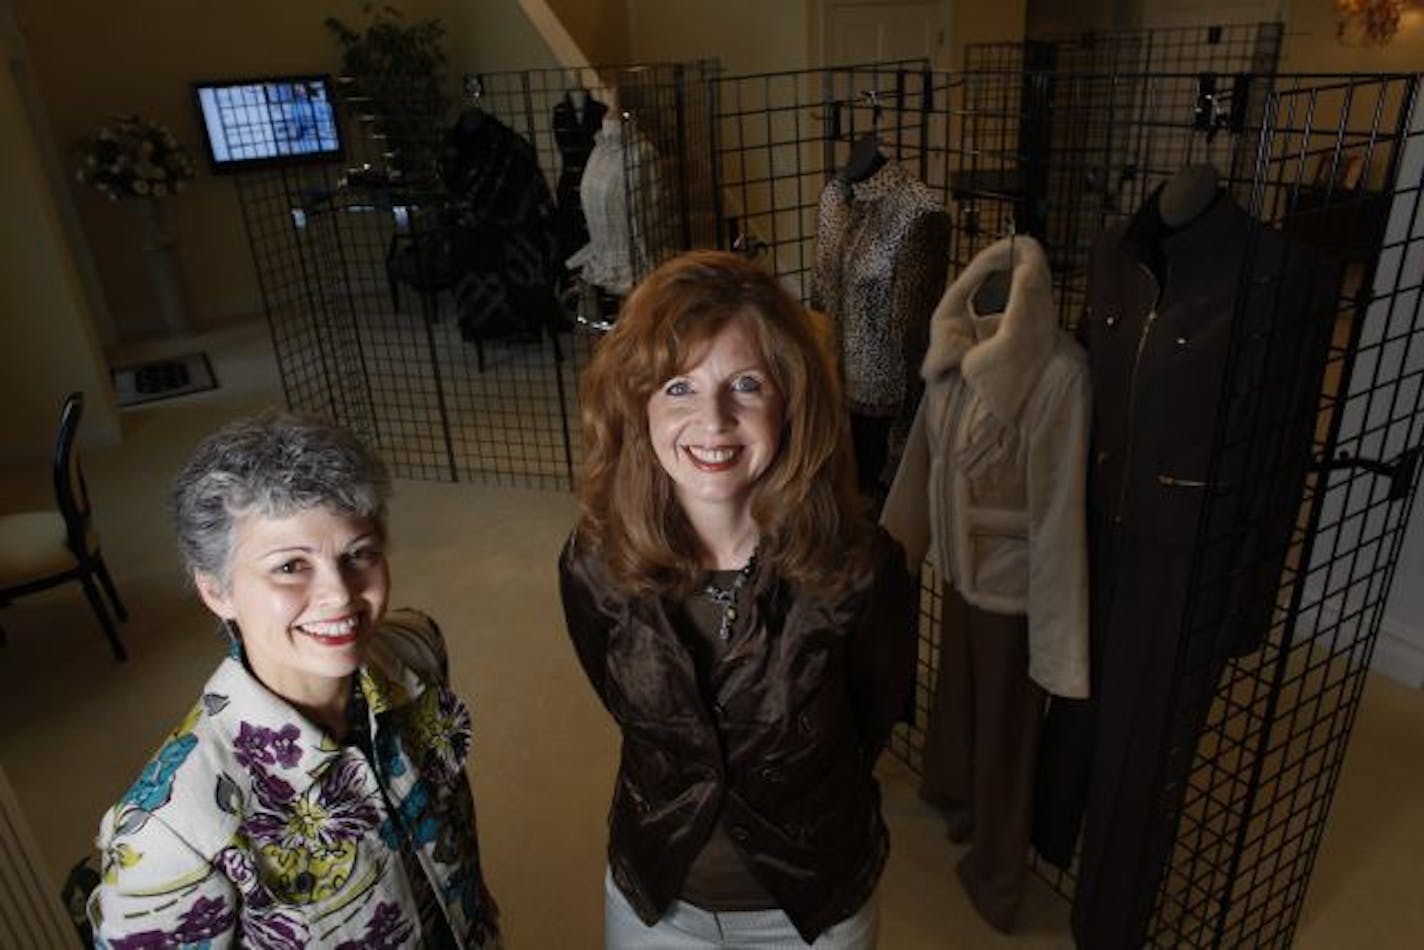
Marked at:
<point>163,379</point>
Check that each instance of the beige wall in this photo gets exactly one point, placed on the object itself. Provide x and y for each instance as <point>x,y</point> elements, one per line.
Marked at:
<point>600,27</point>
<point>491,36</point>
<point>753,36</point>
<point>1310,42</point>
<point>1311,45</point>
<point>749,36</point>
<point>48,346</point>
<point>984,21</point>
<point>1047,17</point>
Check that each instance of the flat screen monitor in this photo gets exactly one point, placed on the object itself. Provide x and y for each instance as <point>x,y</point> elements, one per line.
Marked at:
<point>282,120</point>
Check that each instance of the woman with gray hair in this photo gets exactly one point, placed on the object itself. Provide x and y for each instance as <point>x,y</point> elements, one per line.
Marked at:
<point>316,794</point>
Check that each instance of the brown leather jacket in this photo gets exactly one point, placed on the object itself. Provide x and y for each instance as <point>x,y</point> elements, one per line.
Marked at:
<point>780,748</point>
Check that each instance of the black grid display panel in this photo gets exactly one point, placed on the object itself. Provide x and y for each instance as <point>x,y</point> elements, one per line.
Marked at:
<point>780,137</point>
<point>313,333</point>
<point>1060,132</point>
<point>1261,777</point>
<point>379,347</point>
<point>1062,156</point>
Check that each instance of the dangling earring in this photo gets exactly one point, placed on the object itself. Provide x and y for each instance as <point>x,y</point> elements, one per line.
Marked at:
<point>233,636</point>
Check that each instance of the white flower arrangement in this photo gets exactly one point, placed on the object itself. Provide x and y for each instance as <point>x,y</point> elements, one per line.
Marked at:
<point>131,157</point>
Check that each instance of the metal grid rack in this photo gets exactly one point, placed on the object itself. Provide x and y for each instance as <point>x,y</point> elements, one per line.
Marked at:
<point>779,137</point>
<point>367,276</point>
<point>1074,127</point>
<point>1243,800</point>
<point>1256,791</point>
<point>666,118</point>
<point>1322,159</point>
<point>355,273</point>
<point>386,356</point>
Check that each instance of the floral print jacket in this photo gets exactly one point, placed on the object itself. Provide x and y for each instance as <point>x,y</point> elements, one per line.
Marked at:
<point>252,827</point>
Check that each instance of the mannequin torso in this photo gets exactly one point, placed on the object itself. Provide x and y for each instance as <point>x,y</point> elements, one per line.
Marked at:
<point>1186,195</point>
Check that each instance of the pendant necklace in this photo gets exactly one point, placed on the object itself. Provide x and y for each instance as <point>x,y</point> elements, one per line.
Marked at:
<point>726,598</point>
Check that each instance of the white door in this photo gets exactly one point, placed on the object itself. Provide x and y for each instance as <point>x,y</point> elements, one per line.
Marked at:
<point>863,31</point>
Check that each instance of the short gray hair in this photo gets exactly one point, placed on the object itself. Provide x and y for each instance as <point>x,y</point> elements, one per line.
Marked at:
<point>271,465</point>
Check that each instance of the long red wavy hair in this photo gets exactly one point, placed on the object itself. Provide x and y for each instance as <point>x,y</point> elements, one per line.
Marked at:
<point>812,524</point>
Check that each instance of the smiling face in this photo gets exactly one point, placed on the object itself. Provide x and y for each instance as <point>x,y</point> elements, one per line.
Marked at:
<point>716,425</point>
<point>306,592</point>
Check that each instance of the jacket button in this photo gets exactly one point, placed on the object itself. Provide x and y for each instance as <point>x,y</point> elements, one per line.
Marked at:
<point>739,833</point>
<point>1111,321</point>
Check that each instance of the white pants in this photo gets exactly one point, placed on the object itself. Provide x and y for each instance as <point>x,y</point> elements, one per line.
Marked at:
<point>685,927</point>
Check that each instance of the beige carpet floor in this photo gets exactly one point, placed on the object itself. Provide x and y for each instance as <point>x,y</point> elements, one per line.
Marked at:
<point>75,727</point>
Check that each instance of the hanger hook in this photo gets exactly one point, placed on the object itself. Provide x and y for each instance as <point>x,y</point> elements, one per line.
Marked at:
<point>873,97</point>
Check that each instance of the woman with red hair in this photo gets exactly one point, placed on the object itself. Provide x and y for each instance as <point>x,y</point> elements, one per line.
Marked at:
<point>748,627</point>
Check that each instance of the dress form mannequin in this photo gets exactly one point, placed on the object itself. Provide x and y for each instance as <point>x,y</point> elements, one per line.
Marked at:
<point>1187,194</point>
<point>865,159</point>
<point>1181,200</point>
<point>993,295</point>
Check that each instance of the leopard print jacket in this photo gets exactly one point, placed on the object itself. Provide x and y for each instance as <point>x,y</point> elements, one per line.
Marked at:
<point>882,259</point>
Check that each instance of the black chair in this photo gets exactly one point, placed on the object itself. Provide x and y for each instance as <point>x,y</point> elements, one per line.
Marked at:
<point>41,549</point>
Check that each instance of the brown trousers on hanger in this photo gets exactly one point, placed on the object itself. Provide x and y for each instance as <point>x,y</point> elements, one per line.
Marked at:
<point>980,749</point>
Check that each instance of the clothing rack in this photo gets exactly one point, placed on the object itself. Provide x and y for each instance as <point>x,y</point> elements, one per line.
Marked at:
<point>1246,793</point>
<point>666,102</point>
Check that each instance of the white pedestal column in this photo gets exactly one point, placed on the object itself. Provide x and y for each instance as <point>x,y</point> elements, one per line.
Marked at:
<point>158,253</point>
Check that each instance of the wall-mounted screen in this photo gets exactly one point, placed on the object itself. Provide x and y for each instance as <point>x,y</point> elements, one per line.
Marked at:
<point>263,122</point>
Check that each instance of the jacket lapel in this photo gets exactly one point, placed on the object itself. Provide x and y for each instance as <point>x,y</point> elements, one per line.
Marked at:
<point>1003,368</point>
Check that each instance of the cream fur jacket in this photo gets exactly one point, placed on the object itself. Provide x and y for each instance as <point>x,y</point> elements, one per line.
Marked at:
<point>993,476</point>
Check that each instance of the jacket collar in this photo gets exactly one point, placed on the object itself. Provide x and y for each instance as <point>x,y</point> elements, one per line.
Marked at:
<point>267,733</point>
<point>1146,236</point>
<point>999,357</point>
<point>887,180</point>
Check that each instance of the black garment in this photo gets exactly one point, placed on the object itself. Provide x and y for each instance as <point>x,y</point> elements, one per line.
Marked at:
<point>502,240</point>
<point>870,441</point>
<point>785,752</point>
<point>574,129</point>
<point>1221,363</point>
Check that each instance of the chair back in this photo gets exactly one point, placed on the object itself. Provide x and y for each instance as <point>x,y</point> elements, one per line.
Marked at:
<point>69,488</point>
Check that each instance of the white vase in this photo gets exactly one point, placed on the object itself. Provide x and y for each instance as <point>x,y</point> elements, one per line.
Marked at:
<point>158,254</point>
